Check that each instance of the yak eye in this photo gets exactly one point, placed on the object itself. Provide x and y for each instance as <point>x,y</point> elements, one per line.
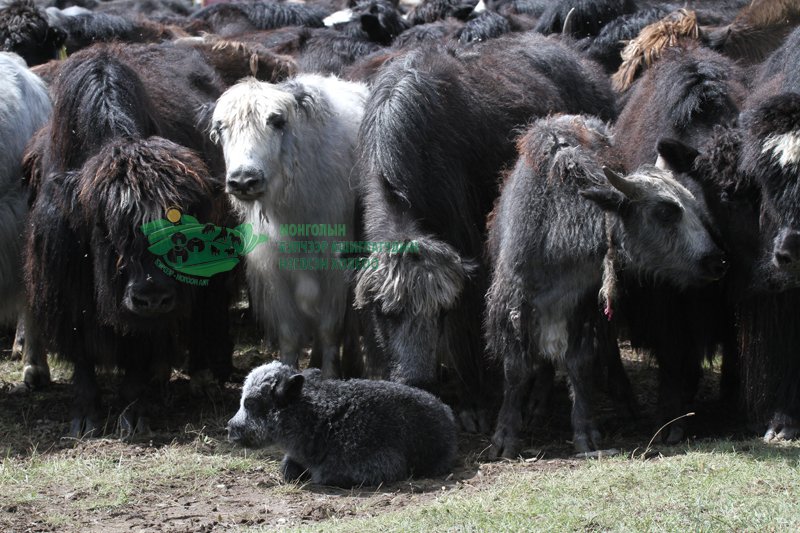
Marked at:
<point>251,404</point>
<point>668,212</point>
<point>277,121</point>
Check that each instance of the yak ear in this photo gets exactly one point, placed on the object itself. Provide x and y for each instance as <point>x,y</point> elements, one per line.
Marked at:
<point>288,389</point>
<point>607,198</point>
<point>675,156</point>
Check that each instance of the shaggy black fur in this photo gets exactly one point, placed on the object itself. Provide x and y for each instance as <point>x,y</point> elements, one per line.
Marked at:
<point>438,128</point>
<point>587,19</point>
<point>234,18</point>
<point>344,433</point>
<point>433,10</point>
<point>483,26</point>
<point>25,31</point>
<point>682,97</point>
<point>103,171</point>
<point>87,29</point>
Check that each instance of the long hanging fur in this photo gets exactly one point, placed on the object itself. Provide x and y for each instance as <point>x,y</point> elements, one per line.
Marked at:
<point>652,40</point>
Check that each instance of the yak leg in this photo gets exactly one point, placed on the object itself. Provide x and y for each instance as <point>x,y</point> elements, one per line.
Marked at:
<point>134,422</point>
<point>19,339</point>
<point>541,397</point>
<point>35,370</point>
<point>329,334</point>
<point>316,353</point>
<point>618,384</point>
<point>352,356</point>
<point>506,441</point>
<point>289,343</point>
<point>579,362</point>
<point>86,406</point>
<point>679,369</point>
<point>211,347</point>
<point>293,471</point>
<point>480,377</point>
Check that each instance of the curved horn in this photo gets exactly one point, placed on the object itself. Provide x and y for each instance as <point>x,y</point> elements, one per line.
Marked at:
<point>621,183</point>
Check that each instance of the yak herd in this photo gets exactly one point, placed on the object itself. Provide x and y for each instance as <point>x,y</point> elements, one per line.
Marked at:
<point>523,183</point>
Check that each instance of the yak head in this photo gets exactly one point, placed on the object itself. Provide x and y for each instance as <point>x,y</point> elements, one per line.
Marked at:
<point>666,226</point>
<point>257,124</point>
<point>128,183</point>
<point>407,296</point>
<point>770,158</point>
<point>267,390</point>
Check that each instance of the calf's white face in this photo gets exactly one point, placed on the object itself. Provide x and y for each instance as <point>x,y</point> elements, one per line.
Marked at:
<point>251,121</point>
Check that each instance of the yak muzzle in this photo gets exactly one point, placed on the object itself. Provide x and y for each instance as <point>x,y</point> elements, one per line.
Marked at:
<point>246,183</point>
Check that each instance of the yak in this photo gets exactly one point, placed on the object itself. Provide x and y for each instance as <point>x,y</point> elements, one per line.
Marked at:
<point>289,154</point>
<point>438,128</point>
<point>24,108</point>
<point>103,168</point>
<point>559,231</point>
<point>683,97</point>
<point>748,171</point>
<point>391,431</point>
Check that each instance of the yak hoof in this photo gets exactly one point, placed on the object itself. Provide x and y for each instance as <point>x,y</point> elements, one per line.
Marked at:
<point>782,427</point>
<point>83,427</point>
<point>475,420</point>
<point>505,445</point>
<point>587,440</point>
<point>134,428</point>
<point>36,376</point>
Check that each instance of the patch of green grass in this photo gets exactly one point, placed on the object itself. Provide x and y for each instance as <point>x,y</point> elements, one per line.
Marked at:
<point>104,475</point>
<point>722,486</point>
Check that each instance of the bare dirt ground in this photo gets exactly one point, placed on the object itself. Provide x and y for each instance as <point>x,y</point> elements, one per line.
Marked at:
<point>188,478</point>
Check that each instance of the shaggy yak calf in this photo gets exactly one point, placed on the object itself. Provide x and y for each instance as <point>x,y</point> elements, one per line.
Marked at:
<point>563,223</point>
<point>289,153</point>
<point>344,433</point>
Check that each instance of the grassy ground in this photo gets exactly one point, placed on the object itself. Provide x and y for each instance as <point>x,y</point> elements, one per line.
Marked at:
<point>187,478</point>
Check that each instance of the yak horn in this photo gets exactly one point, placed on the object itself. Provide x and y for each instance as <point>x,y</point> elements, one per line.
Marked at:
<point>621,183</point>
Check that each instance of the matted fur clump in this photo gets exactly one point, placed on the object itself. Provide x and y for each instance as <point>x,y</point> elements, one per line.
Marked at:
<point>420,283</point>
<point>652,40</point>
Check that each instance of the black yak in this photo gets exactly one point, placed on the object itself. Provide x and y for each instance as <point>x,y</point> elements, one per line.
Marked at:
<point>682,97</point>
<point>104,168</point>
<point>749,175</point>
<point>390,431</point>
<point>438,128</point>
<point>553,252</point>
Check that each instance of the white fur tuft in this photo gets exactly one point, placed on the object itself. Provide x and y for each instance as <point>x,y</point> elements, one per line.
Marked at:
<point>340,17</point>
<point>784,147</point>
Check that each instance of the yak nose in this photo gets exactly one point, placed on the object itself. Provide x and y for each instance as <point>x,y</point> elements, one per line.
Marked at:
<point>234,432</point>
<point>787,252</point>
<point>245,181</point>
<point>149,299</point>
<point>714,265</point>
